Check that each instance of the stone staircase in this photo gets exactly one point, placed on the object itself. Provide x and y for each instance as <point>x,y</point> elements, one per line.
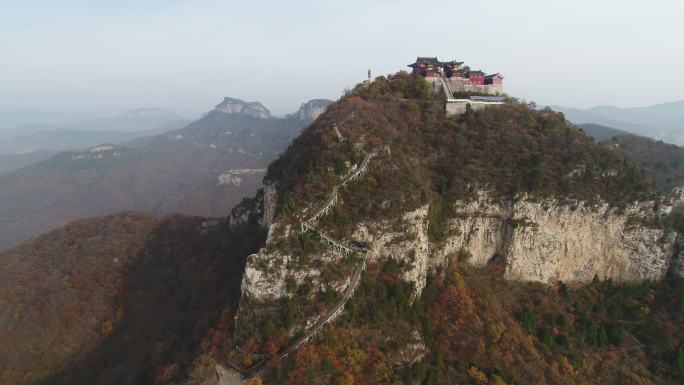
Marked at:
<point>309,226</point>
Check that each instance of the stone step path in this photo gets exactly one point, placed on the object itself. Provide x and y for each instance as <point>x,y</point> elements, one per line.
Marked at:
<point>333,197</point>
<point>334,245</point>
<point>447,90</point>
<point>330,316</point>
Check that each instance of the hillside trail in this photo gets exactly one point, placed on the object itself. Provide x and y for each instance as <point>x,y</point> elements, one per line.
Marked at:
<point>309,226</point>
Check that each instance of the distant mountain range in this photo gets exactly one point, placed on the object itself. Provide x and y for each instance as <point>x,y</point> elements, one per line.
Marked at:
<point>204,169</point>
<point>16,161</point>
<point>38,137</point>
<point>662,121</point>
<point>602,133</point>
<point>664,162</point>
<point>70,139</point>
<point>10,120</point>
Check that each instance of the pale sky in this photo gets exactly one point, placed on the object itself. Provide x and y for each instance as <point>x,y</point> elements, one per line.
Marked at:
<point>107,56</point>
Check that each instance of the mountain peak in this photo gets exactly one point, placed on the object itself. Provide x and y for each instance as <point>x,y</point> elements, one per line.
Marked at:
<point>238,106</point>
<point>311,109</point>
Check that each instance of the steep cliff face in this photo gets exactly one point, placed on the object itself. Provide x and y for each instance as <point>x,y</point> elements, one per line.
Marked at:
<point>545,241</point>
<point>550,241</point>
<point>312,109</point>
<point>269,272</point>
<point>404,240</point>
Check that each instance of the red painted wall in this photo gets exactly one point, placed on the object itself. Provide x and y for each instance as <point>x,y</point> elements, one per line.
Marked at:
<point>476,79</point>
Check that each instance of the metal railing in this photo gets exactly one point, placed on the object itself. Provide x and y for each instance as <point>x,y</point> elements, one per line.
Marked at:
<point>336,246</point>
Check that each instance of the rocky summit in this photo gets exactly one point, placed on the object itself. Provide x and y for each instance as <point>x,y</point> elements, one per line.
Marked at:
<point>237,106</point>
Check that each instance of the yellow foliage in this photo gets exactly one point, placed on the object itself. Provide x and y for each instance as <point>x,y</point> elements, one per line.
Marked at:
<point>247,361</point>
<point>554,372</point>
<point>356,359</point>
<point>107,328</point>
<point>643,312</point>
<point>347,379</point>
<point>254,381</point>
<point>118,316</point>
<point>382,372</point>
<point>587,366</point>
<point>496,380</point>
<point>566,366</point>
<point>495,330</point>
<point>477,375</point>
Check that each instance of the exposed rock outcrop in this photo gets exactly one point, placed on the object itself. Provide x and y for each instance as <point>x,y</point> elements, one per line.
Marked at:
<point>404,240</point>
<point>225,376</point>
<point>549,240</point>
<point>312,109</point>
<point>267,272</point>
<point>238,106</point>
<point>270,201</point>
<point>544,241</point>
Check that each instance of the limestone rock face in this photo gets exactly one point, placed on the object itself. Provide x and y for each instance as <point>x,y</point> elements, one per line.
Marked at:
<point>237,106</point>
<point>477,229</point>
<point>312,109</point>
<point>270,201</point>
<point>677,267</point>
<point>548,240</point>
<point>225,376</point>
<point>267,272</point>
<point>534,240</point>
<point>404,240</point>
<point>575,245</point>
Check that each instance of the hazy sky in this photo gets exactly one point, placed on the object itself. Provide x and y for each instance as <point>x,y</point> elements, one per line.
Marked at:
<point>108,56</point>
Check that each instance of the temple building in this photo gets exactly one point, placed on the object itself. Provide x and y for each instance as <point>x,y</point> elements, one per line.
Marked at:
<point>428,67</point>
<point>457,77</point>
<point>464,88</point>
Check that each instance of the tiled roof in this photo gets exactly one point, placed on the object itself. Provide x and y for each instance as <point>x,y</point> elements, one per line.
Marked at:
<point>433,61</point>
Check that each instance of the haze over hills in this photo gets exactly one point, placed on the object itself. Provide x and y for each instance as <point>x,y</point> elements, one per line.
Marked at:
<point>10,120</point>
<point>664,162</point>
<point>30,143</point>
<point>661,121</point>
<point>14,162</point>
<point>85,133</point>
<point>669,116</point>
<point>204,169</point>
<point>601,133</point>
<point>61,139</point>
<point>141,119</point>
